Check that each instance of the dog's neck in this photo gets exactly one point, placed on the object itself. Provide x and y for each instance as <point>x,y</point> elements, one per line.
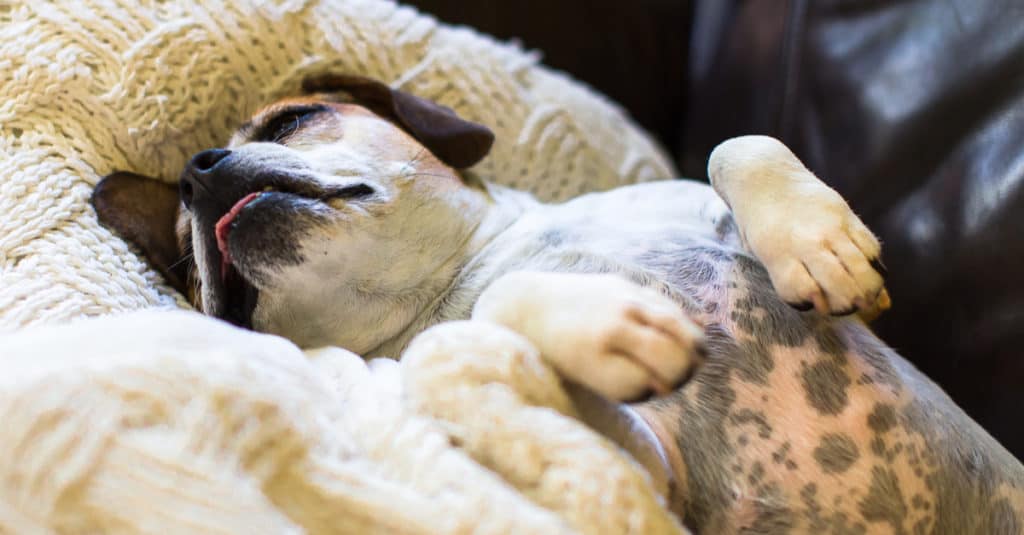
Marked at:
<point>490,210</point>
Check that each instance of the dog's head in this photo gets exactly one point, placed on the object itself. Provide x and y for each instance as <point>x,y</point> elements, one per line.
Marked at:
<point>315,207</point>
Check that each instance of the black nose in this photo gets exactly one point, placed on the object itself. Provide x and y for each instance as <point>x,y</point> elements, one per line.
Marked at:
<point>201,164</point>
<point>205,161</point>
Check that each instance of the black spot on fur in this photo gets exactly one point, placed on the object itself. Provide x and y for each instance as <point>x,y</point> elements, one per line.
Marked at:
<point>726,227</point>
<point>836,453</point>
<point>757,418</point>
<point>884,501</point>
<point>780,456</point>
<point>756,474</point>
<point>829,342</point>
<point>825,386</point>
<point>882,418</point>
<point>878,446</point>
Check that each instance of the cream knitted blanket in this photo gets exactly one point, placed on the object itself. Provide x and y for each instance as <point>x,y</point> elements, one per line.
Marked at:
<point>172,422</point>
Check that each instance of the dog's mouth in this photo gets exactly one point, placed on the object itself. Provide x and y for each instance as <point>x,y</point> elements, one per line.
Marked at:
<point>238,297</point>
<point>247,240</point>
<point>223,227</point>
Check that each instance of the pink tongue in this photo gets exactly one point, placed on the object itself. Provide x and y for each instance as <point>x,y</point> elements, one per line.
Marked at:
<point>223,226</point>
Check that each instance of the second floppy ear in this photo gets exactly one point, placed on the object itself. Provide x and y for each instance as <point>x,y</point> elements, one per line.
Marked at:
<point>144,211</point>
<point>455,141</point>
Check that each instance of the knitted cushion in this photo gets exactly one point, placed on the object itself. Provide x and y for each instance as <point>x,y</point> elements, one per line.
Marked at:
<point>87,88</point>
<point>175,423</point>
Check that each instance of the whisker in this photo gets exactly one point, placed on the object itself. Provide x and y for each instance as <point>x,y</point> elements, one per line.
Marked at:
<point>187,258</point>
<point>415,159</point>
<point>435,175</point>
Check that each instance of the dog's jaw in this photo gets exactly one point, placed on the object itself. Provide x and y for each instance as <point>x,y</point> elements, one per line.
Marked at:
<point>224,292</point>
<point>497,208</point>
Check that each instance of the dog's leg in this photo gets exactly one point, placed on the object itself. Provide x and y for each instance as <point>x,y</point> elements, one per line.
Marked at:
<point>817,251</point>
<point>615,337</point>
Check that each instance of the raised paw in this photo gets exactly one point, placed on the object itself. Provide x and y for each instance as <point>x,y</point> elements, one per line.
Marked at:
<point>820,255</point>
<point>617,338</point>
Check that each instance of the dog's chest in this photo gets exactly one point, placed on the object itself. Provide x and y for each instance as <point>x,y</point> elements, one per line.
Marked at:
<point>676,236</point>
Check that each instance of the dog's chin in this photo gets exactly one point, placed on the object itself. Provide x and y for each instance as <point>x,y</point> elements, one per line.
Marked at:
<point>228,295</point>
<point>263,237</point>
<point>239,298</point>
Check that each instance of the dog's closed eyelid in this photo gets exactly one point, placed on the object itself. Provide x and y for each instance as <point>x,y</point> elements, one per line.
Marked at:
<point>353,191</point>
<point>285,122</point>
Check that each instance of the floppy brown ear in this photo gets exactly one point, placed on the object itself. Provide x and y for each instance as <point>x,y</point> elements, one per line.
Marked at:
<point>456,141</point>
<point>144,211</point>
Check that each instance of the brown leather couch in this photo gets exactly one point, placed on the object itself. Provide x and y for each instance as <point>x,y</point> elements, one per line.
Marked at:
<point>912,109</point>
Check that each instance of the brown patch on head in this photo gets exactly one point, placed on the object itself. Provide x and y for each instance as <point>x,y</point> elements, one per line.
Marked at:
<point>455,141</point>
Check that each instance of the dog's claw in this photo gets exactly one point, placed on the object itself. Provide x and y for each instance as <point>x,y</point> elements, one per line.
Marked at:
<point>845,311</point>
<point>700,348</point>
<point>644,397</point>
<point>879,267</point>
<point>831,260</point>
<point>685,378</point>
<point>802,306</point>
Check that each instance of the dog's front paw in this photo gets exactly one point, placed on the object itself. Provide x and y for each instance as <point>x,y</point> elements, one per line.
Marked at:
<point>820,255</point>
<point>617,338</point>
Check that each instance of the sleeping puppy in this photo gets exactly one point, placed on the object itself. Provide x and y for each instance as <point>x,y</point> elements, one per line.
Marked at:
<point>345,221</point>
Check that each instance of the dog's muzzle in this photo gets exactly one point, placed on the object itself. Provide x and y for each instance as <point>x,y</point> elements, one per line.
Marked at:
<point>212,190</point>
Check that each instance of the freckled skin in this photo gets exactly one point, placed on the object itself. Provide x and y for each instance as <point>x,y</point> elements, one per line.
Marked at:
<point>883,459</point>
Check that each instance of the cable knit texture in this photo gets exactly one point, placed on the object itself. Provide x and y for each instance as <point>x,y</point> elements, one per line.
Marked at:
<point>175,423</point>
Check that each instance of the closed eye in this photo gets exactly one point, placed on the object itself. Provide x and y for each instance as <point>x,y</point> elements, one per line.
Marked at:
<point>286,122</point>
<point>353,191</point>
